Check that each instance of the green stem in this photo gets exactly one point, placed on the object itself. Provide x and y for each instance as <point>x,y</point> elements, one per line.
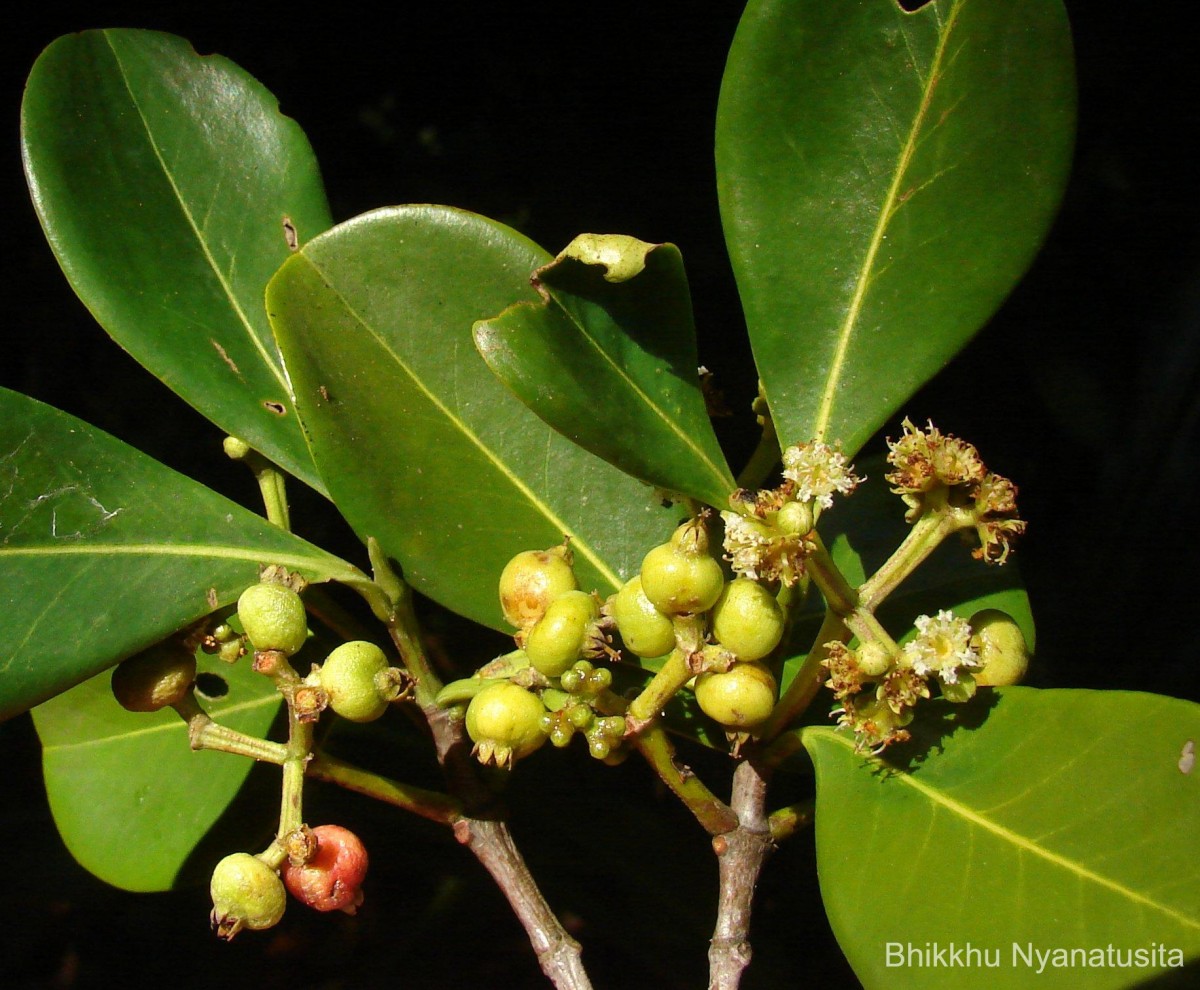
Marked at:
<point>925,536</point>
<point>807,682</point>
<point>433,805</point>
<point>786,822</point>
<point>271,481</point>
<point>766,455</point>
<point>204,733</point>
<point>648,705</point>
<point>714,815</point>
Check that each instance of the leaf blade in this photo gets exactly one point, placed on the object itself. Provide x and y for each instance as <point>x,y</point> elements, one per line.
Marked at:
<point>424,448</point>
<point>162,180</point>
<point>885,177</point>
<point>1063,812</point>
<point>119,780</point>
<point>104,551</point>
<point>614,320</point>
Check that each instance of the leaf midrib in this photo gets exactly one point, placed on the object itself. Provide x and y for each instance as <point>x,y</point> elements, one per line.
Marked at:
<point>578,544</point>
<point>234,303</point>
<point>173,726</point>
<point>886,213</point>
<point>1018,841</point>
<point>721,477</point>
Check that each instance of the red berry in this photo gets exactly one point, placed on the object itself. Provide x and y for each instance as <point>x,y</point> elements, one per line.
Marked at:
<point>332,879</point>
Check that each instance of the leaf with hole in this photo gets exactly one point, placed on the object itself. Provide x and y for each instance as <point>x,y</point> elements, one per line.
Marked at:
<point>105,551</point>
<point>1025,820</point>
<point>423,448</point>
<point>885,177</point>
<point>122,782</point>
<point>168,185</point>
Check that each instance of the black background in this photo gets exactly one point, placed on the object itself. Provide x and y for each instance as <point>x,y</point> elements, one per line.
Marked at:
<point>577,118</point>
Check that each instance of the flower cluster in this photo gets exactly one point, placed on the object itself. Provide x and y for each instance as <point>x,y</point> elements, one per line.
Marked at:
<point>930,469</point>
<point>818,471</point>
<point>768,536</point>
<point>876,700</point>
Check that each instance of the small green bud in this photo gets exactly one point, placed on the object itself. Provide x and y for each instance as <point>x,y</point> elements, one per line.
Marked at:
<point>739,699</point>
<point>246,893</point>
<point>531,581</point>
<point>155,678</point>
<point>795,518</point>
<point>1001,647</point>
<point>643,628</point>
<point>505,723</point>
<point>556,640</point>
<point>747,620</point>
<point>349,677</point>
<point>273,617</point>
<point>873,658</point>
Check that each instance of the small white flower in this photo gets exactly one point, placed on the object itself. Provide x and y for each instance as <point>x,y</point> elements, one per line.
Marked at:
<point>942,646</point>
<point>746,542</point>
<point>818,471</point>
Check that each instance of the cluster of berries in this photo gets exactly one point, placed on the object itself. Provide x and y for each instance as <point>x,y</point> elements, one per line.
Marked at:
<point>324,870</point>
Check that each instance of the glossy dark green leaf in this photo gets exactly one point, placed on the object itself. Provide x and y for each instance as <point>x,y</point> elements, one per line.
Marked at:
<point>121,782</point>
<point>104,551</point>
<point>1055,820</point>
<point>422,447</point>
<point>607,357</point>
<point>885,177</point>
<point>164,181</point>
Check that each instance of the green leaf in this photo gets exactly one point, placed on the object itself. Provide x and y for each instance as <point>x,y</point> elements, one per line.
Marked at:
<point>104,552</point>
<point>421,445</point>
<point>164,181</point>
<point>607,357</point>
<point>885,177</point>
<point>1062,820</point>
<point>129,796</point>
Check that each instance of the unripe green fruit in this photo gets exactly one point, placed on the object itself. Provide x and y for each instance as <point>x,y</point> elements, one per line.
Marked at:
<point>531,581</point>
<point>679,583</point>
<point>747,620</point>
<point>155,678</point>
<point>1002,649</point>
<point>795,518</point>
<point>644,629</point>
<point>874,660</point>
<point>332,879</point>
<point>557,638</point>
<point>505,723</point>
<point>351,676</point>
<point>739,699</point>
<point>273,617</point>
<point>246,893</point>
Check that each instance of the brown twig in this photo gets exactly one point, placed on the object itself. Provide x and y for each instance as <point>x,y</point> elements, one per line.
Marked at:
<point>740,857</point>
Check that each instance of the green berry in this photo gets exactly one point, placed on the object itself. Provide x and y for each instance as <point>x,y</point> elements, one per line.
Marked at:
<point>556,640</point>
<point>679,583</point>
<point>747,620</point>
<point>273,617</point>
<point>738,699</point>
<point>155,678</point>
<point>531,581</point>
<point>644,629</point>
<point>795,518</point>
<point>1002,649</point>
<point>351,677</point>
<point>505,723</point>
<point>246,893</point>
